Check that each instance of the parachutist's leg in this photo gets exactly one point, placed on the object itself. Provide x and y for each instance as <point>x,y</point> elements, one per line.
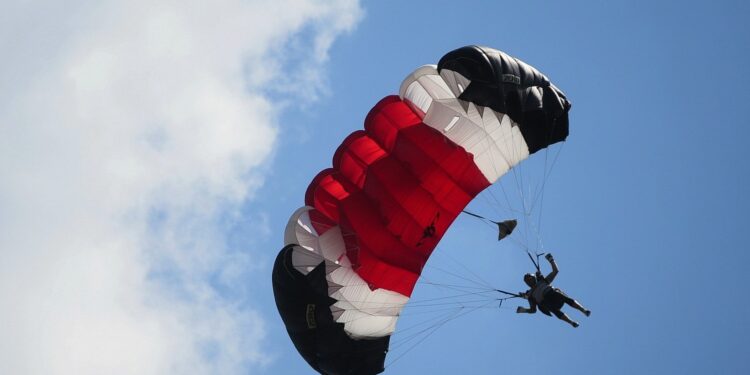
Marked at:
<point>576,305</point>
<point>561,315</point>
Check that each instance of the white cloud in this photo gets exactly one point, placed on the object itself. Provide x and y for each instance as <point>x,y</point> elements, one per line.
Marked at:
<point>128,130</point>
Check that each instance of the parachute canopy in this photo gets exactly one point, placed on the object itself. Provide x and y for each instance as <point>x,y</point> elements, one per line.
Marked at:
<point>354,252</point>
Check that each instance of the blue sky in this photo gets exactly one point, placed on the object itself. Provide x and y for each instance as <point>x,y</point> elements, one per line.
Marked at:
<point>151,156</point>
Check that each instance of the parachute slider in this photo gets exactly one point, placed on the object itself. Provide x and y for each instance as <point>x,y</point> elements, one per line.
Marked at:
<point>505,228</point>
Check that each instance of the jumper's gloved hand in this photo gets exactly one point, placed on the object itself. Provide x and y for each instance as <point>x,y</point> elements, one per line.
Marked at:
<point>520,310</point>
<point>549,257</point>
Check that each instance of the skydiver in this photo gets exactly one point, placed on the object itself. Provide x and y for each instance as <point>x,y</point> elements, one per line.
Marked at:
<point>548,298</point>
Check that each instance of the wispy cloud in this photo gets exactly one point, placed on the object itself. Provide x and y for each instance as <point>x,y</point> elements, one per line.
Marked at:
<point>129,132</point>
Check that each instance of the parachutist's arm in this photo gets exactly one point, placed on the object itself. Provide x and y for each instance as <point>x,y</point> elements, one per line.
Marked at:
<point>530,310</point>
<point>555,270</point>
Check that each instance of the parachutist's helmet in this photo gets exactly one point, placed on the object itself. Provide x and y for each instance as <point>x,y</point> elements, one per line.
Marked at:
<point>529,279</point>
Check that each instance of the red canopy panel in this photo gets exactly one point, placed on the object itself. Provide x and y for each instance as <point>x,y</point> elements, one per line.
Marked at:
<point>394,189</point>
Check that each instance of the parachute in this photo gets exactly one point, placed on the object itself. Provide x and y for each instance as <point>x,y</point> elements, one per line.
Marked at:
<point>355,251</point>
